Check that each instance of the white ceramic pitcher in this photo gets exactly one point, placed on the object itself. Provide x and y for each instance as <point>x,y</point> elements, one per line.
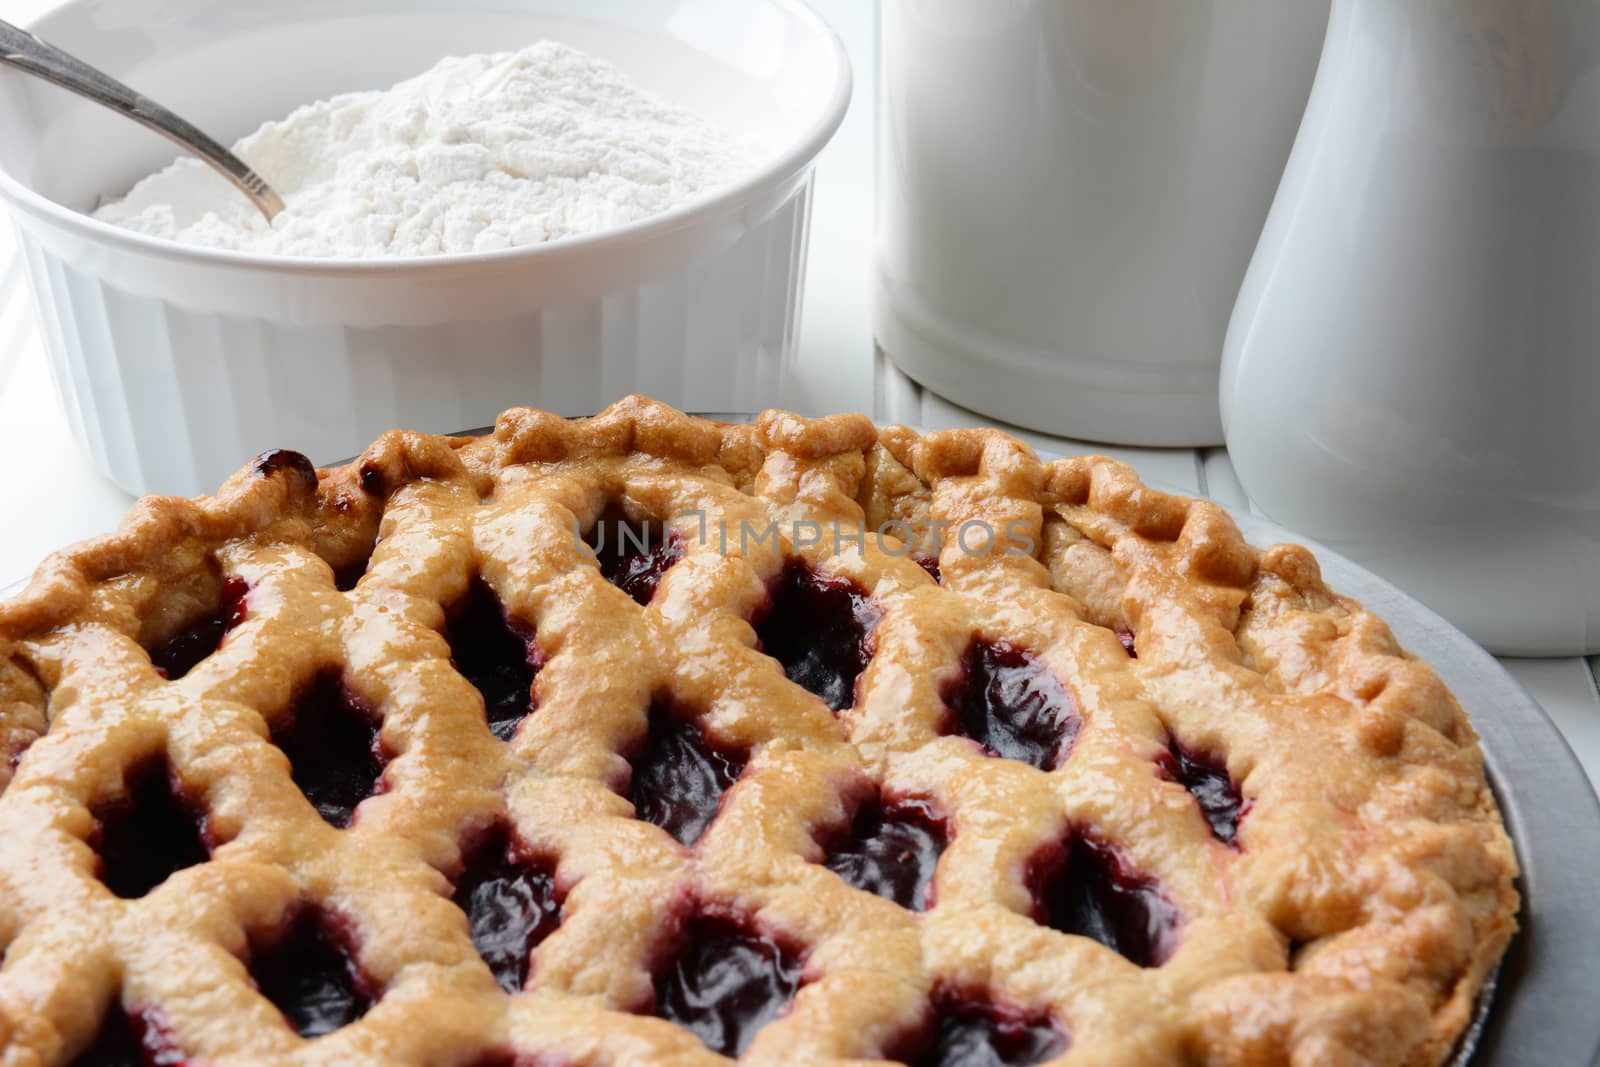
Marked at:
<point>1412,371</point>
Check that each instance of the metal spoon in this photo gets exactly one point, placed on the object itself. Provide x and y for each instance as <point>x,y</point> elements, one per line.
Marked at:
<point>27,52</point>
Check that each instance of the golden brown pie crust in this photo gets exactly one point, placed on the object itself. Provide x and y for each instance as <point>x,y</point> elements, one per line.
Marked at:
<point>1371,894</point>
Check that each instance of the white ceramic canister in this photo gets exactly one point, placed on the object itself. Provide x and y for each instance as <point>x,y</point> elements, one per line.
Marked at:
<point>1068,194</point>
<point>1413,369</point>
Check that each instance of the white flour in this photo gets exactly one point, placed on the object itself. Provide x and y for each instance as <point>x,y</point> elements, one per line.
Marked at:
<point>480,153</point>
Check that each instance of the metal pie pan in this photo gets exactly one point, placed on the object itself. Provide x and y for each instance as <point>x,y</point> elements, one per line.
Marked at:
<point>1538,1010</point>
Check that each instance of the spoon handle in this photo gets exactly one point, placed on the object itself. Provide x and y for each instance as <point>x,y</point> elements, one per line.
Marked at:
<point>28,53</point>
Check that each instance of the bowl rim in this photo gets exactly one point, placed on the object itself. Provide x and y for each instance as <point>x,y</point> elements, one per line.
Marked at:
<point>794,157</point>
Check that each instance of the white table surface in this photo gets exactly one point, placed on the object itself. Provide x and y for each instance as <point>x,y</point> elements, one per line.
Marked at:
<point>51,495</point>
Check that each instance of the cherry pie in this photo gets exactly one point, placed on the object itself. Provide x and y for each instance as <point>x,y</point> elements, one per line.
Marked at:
<point>645,739</point>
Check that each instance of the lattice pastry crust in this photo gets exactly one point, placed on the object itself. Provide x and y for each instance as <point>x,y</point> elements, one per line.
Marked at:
<point>1352,920</point>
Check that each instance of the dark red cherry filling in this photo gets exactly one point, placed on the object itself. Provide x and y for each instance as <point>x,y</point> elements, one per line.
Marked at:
<point>348,577</point>
<point>131,1040</point>
<point>726,983</point>
<point>818,627</point>
<point>1208,782</point>
<point>891,850</point>
<point>180,653</point>
<point>335,754</point>
<point>679,776</point>
<point>1126,637</point>
<point>633,555</point>
<point>929,564</point>
<point>279,460</point>
<point>977,1033</point>
<point>498,655</point>
<point>504,1057</point>
<point>149,834</point>
<point>311,977</point>
<point>1013,706</point>
<point>511,906</point>
<point>116,1046</point>
<point>1088,888</point>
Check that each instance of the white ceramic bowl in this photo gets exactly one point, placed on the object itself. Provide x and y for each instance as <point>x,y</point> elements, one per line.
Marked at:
<point>176,364</point>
